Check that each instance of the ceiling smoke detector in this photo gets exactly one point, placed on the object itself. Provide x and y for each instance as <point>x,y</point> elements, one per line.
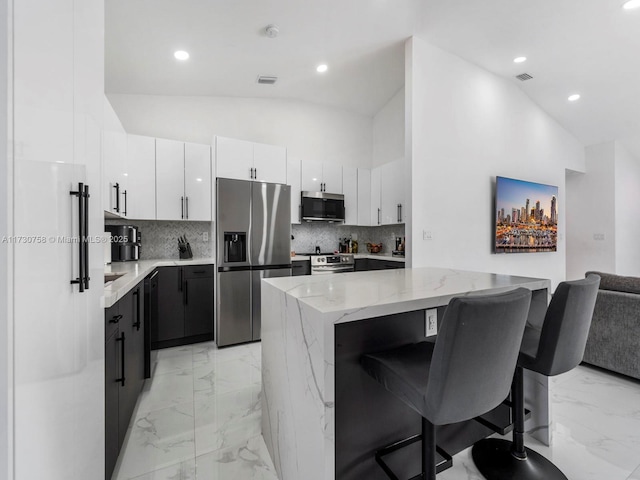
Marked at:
<point>267,79</point>
<point>524,76</point>
<point>272,30</point>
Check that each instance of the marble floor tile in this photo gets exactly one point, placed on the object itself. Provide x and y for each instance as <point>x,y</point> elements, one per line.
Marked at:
<point>166,390</point>
<point>157,440</point>
<point>180,471</point>
<point>635,475</point>
<point>226,376</point>
<point>227,419</point>
<point>247,461</point>
<point>173,360</point>
<point>208,353</point>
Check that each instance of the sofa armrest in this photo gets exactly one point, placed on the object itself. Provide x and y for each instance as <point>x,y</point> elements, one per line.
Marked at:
<point>614,337</point>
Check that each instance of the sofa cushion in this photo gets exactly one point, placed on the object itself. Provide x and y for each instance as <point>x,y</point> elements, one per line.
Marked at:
<point>618,283</point>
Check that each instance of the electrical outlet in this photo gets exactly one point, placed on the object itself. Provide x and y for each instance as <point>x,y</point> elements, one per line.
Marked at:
<point>205,236</point>
<point>598,236</point>
<point>431,322</point>
<point>426,235</point>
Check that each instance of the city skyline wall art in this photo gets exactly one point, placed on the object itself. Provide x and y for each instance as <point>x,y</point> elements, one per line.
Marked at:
<point>526,217</point>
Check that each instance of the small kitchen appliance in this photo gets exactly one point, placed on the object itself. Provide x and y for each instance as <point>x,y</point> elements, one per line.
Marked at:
<point>125,242</point>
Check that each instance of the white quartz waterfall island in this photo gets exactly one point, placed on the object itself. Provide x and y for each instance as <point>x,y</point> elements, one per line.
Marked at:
<point>322,417</point>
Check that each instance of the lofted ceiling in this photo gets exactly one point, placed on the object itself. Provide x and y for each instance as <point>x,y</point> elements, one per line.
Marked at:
<point>572,46</point>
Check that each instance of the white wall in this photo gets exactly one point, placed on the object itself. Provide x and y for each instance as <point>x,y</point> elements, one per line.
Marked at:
<point>110,119</point>
<point>309,131</point>
<point>467,126</point>
<point>388,131</point>
<point>627,200</point>
<point>591,223</point>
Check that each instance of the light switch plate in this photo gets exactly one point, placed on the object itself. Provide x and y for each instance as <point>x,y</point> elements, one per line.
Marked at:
<point>431,322</point>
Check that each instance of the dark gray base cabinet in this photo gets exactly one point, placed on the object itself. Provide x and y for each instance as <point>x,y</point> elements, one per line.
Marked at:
<point>185,306</point>
<point>301,267</point>
<point>366,264</point>
<point>124,369</point>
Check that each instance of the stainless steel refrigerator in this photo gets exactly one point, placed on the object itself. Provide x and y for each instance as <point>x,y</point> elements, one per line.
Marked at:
<point>253,233</point>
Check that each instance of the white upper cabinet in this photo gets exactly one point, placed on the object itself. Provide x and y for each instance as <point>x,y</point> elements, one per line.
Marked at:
<point>321,177</point>
<point>197,181</point>
<point>243,160</point>
<point>293,180</point>
<point>170,204</point>
<point>364,197</point>
<point>269,163</point>
<point>140,188</point>
<point>376,188</point>
<point>114,154</point>
<point>183,181</point>
<point>234,159</point>
<point>387,194</point>
<point>350,187</point>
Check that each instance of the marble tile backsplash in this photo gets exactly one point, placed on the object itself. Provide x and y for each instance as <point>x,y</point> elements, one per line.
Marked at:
<point>326,235</point>
<point>160,238</point>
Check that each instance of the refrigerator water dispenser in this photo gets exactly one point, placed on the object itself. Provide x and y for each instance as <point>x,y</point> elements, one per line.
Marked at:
<point>235,247</point>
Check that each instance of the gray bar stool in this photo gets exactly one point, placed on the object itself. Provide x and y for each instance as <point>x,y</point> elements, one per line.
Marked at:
<point>461,375</point>
<point>557,348</point>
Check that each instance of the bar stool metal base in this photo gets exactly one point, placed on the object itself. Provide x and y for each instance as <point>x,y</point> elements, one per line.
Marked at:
<point>440,467</point>
<point>495,461</point>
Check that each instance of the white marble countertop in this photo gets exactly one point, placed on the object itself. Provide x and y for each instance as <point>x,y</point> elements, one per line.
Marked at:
<point>134,273</point>
<point>360,295</point>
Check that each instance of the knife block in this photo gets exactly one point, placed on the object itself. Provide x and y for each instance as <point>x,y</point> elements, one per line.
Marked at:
<point>185,251</point>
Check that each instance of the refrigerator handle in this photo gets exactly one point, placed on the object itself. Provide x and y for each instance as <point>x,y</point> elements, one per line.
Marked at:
<point>85,236</point>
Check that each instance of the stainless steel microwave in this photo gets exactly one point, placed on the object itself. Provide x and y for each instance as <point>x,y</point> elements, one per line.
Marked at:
<point>321,206</point>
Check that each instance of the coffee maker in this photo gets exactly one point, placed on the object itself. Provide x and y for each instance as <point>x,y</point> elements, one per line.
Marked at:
<point>125,242</point>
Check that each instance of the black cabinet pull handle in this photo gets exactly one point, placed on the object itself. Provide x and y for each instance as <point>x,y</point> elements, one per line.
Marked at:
<point>122,357</point>
<point>186,202</point>
<point>125,203</point>
<point>85,237</point>
<point>116,319</point>
<point>136,324</point>
<point>117,207</point>
<point>399,213</point>
<point>200,271</point>
<point>180,280</point>
<point>186,292</point>
<point>182,207</point>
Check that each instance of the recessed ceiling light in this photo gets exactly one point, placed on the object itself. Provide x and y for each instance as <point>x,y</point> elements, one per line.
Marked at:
<point>631,4</point>
<point>322,68</point>
<point>181,55</point>
<point>520,59</point>
<point>574,97</point>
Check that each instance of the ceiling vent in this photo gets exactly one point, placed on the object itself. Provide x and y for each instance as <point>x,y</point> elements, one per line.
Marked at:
<point>524,76</point>
<point>267,80</point>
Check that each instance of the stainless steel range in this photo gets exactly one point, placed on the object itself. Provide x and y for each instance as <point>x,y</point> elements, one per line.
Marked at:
<point>325,264</point>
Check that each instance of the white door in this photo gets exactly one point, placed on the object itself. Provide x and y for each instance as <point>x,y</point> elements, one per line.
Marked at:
<point>234,159</point>
<point>141,177</point>
<point>293,180</point>
<point>350,187</point>
<point>311,176</point>
<point>170,202</point>
<point>364,197</point>
<point>376,186</point>
<point>332,177</point>
<point>269,163</point>
<point>197,181</point>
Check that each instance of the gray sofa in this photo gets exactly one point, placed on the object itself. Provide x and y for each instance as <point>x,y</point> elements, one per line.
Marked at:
<point>614,338</point>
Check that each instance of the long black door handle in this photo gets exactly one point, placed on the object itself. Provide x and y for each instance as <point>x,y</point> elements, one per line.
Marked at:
<point>136,324</point>
<point>122,356</point>
<point>182,207</point>
<point>85,237</point>
<point>125,203</point>
<point>81,218</point>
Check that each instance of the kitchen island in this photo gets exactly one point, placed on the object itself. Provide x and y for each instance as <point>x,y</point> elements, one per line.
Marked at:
<point>322,418</point>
